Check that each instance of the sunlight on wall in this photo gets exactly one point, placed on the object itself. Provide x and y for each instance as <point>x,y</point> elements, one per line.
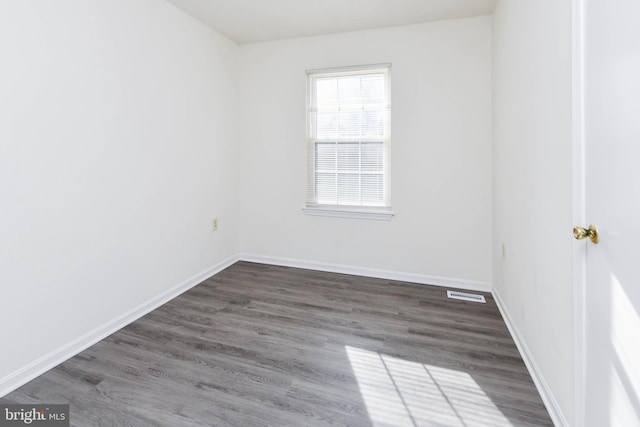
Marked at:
<point>403,393</point>
<point>624,408</point>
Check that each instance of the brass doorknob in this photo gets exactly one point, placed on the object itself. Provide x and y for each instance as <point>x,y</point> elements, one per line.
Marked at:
<point>582,233</point>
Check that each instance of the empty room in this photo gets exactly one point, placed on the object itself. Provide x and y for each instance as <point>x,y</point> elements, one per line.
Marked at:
<point>319,213</point>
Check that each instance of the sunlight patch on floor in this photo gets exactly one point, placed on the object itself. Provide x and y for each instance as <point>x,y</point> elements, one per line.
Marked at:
<point>398,392</point>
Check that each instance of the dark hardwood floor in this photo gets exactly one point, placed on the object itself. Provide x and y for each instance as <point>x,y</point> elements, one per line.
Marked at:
<point>259,345</point>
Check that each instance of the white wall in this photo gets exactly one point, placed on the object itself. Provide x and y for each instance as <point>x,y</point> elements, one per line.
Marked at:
<point>532,183</point>
<point>117,148</point>
<point>441,151</point>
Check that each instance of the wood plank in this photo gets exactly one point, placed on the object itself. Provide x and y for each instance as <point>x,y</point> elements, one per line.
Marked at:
<point>261,345</point>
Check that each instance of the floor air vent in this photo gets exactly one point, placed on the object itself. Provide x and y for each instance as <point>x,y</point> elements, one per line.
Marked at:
<point>465,296</point>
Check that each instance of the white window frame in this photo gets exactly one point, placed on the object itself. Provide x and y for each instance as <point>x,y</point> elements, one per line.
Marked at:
<point>347,211</point>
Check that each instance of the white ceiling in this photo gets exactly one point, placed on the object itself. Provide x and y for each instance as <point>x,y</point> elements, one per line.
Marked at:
<point>247,21</point>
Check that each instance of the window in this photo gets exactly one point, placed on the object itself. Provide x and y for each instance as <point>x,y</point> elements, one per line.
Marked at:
<point>349,116</point>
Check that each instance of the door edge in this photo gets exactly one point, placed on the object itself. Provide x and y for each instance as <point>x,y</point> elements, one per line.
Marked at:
<point>578,209</point>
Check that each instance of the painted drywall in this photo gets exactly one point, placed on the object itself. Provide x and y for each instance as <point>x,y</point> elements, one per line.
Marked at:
<point>440,161</point>
<point>532,183</point>
<point>117,149</point>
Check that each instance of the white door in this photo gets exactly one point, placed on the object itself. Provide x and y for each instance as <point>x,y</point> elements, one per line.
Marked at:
<point>611,125</point>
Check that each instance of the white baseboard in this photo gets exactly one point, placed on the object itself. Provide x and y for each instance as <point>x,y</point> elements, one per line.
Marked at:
<point>448,282</point>
<point>54,358</point>
<point>549,400</point>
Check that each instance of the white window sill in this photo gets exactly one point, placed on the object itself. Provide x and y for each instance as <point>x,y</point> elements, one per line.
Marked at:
<point>344,212</point>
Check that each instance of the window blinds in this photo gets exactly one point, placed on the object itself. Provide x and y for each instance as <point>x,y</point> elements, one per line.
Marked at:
<point>349,114</point>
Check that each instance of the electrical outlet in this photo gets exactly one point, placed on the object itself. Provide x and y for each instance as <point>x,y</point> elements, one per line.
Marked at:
<point>215,224</point>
